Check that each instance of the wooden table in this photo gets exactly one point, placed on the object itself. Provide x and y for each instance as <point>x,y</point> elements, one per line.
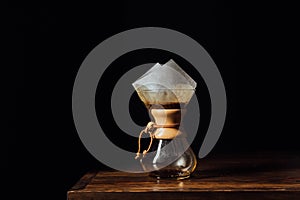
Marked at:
<point>248,176</point>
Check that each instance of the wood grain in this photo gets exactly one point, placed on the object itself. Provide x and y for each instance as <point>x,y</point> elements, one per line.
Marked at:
<point>248,176</point>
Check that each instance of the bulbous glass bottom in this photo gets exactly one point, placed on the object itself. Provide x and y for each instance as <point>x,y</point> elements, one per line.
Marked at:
<point>181,168</point>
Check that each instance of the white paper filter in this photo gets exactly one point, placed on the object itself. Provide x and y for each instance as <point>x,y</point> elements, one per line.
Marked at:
<point>166,83</point>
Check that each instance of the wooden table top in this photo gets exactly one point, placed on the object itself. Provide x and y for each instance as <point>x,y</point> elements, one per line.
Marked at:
<point>248,176</point>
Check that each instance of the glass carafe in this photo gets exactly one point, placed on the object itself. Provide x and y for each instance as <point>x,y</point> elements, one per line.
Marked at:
<point>171,155</point>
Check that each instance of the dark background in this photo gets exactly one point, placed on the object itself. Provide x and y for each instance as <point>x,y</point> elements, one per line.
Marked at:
<point>254,47</point>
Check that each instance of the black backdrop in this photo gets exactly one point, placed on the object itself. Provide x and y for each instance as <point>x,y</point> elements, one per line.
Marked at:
<point>252,46</point>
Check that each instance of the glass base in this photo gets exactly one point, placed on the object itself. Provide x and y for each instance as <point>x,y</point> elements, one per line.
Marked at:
<point>169,173</point>
<point>181,168</point>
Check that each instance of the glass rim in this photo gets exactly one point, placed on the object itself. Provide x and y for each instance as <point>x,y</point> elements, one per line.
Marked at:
<point>162,89</point>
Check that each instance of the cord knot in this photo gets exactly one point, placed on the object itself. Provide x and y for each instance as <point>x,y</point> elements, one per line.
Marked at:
<point>149,129</point>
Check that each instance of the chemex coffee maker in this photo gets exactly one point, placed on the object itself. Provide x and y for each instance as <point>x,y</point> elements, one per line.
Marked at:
<point>166,90</point>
